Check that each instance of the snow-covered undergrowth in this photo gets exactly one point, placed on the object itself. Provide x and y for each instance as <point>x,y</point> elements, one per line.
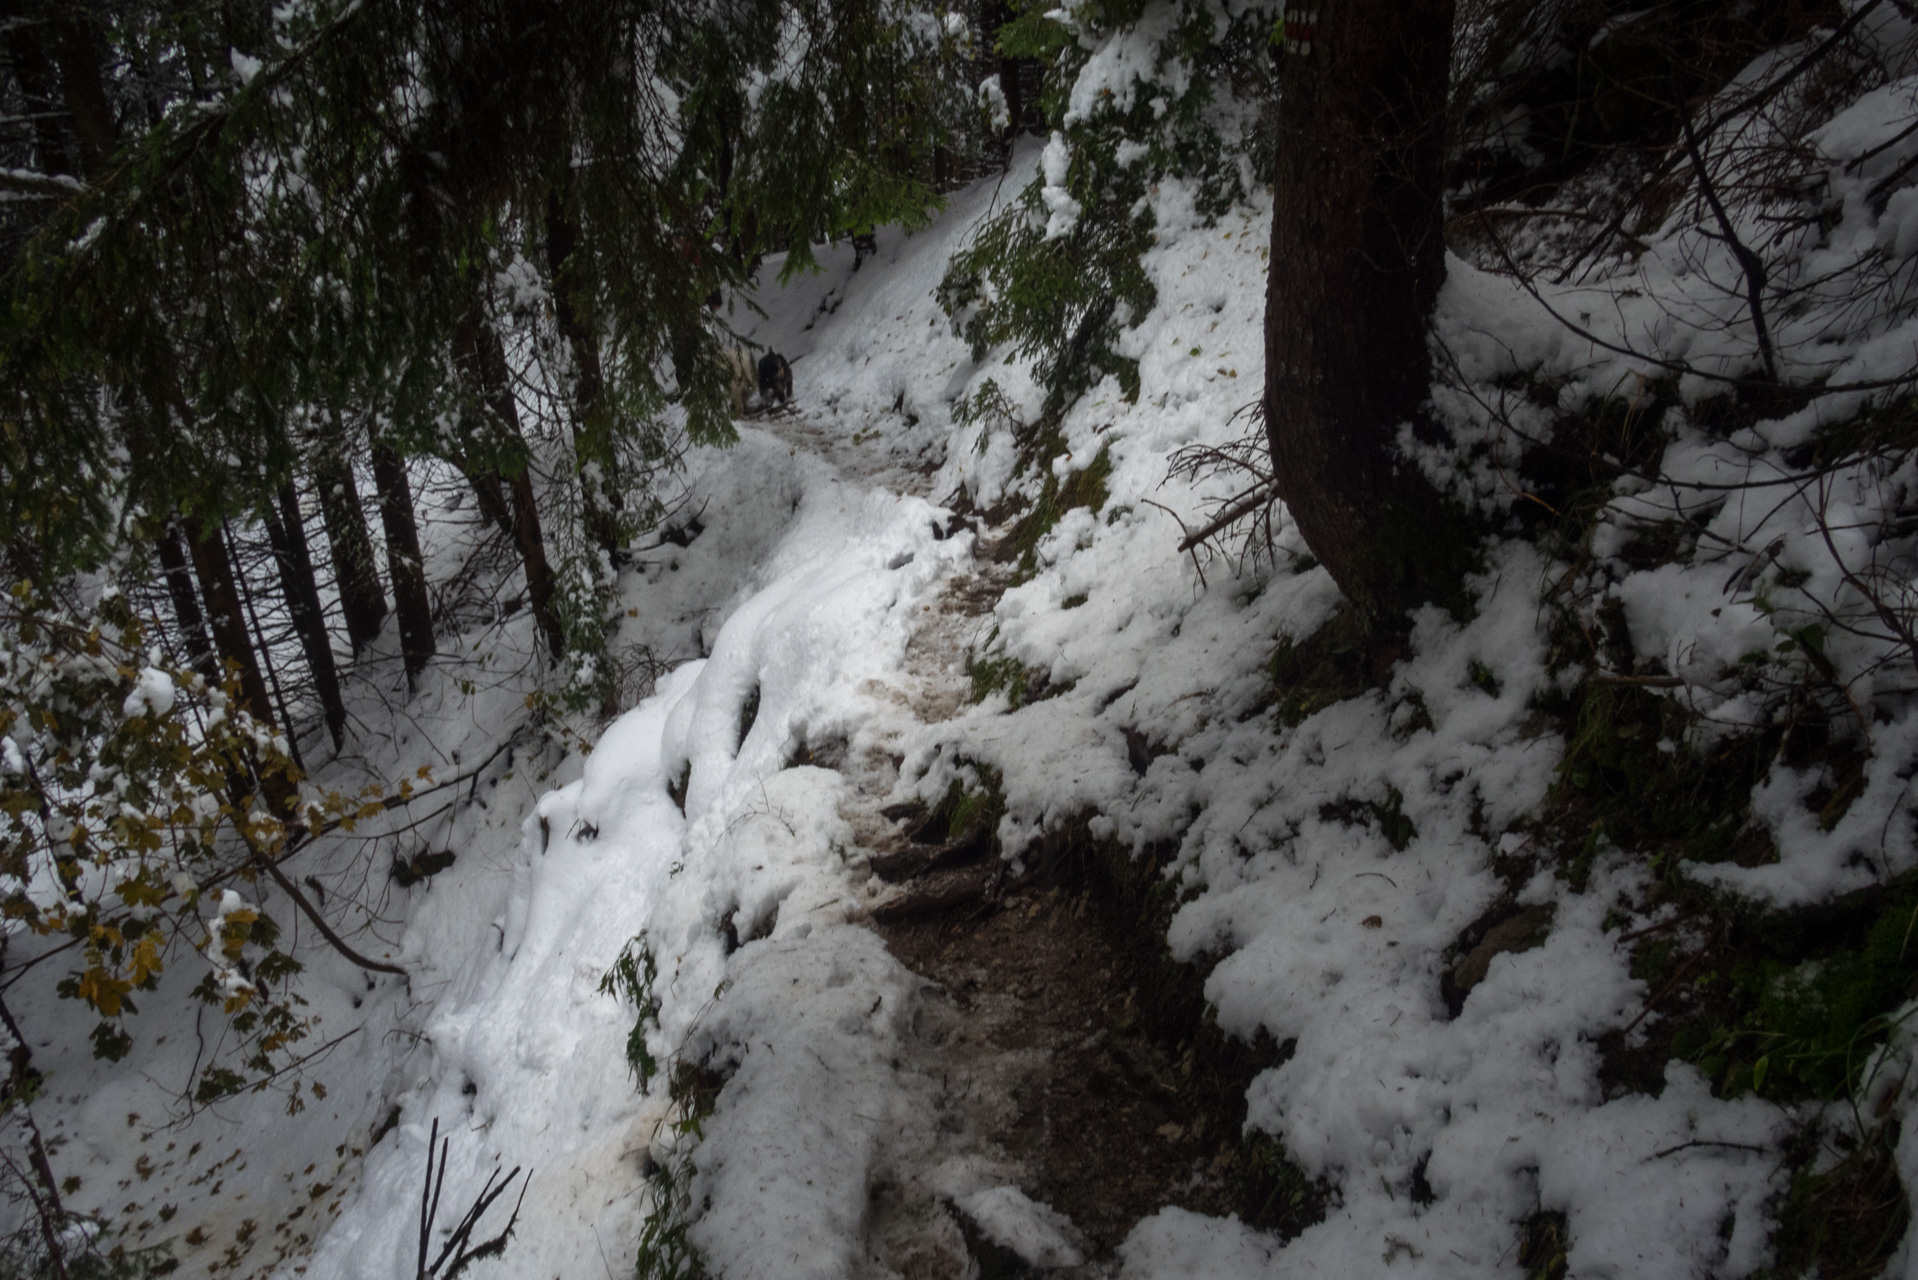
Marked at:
<point>1331,930</point>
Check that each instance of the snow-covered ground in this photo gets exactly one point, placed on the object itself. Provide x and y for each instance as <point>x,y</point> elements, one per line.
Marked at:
<point>706,830</point>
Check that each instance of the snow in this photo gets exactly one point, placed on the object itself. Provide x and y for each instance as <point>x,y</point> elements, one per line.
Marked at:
<point>1014,1220</point>
<point>827,543</point>
<point>153,694</point>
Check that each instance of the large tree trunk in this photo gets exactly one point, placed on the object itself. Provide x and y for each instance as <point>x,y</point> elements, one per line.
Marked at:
<point>286,530</point>
<point>77,54</point>
<point>592,434</point>
<point>403,562</point>
<point>1358,255</point>
<point>362,599</point>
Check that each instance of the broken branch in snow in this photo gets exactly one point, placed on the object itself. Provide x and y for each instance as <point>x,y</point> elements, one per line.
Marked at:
<point>458,1251</point>
<point>312,913</point>
<point>1232,514</point>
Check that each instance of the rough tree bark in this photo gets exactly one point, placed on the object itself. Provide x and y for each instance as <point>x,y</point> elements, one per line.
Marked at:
<point>1358,255</point>
<point>286,531</point>
<point>403,562</point>
<point>362,599</point>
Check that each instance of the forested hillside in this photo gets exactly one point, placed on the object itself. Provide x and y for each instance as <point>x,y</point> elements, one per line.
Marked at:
<point>831,638</point>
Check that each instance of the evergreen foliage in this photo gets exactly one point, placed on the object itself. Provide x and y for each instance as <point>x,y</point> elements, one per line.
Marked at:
<point>246,247</point>
<point>1135,90</point>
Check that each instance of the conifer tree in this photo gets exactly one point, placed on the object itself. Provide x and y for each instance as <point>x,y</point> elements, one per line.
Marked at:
<point>286,531</point>
<point>1358,254</point>
<point>241,218</point>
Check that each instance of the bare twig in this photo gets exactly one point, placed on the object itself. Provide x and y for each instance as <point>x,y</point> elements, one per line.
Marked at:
<point>1749,262</point>
<point>459,1252</point>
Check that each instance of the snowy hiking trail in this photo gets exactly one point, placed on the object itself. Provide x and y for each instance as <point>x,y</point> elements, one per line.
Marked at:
<point>1012,1083</point>
<point>1399,1022</point>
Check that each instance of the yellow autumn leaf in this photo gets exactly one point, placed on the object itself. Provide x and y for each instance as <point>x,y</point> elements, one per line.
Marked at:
<point>145,962</point>
<point>102,990</point>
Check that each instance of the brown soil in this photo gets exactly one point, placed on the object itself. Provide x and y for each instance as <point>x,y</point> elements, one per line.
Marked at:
<point>1104,1118</point>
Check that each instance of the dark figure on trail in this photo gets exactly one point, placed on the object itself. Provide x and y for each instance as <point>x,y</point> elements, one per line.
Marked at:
<point>864,245</point>
<point>775,379</point>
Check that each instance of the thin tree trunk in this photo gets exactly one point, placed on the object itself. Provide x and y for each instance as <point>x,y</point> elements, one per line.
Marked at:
<point>362,600</point>
<point>234,644</point>
<point>186,605</point>
<point>225,615</point>
<point>486,365</point>
<point>403,561</point>
<point>23,1083</point>
<point>33,69</point>
<point>539,575</point>
<point>265,652</point>
<point>997,14</point>
<point>592,433</point>
<point>489,490</point>
<point>286,529</point>
<point>1358,256</point>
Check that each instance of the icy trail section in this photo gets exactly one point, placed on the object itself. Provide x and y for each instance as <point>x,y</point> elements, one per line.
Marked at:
<point>528,1053</point>
<point>802,583</point>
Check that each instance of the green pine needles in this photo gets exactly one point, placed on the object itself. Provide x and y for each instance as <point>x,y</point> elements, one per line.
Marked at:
<point>1135,91</point>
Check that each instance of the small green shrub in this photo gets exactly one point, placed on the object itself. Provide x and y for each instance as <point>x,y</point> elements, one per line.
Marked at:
<point>1085,487</point>
<point>963,806</point>
<point>631,978</point>
<point>1807,1029</point>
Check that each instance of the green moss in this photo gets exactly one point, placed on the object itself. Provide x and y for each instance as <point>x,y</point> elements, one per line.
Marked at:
<point>1326,667</point>
<point>1807,1029</point>
<point>963,806</point>
<point>1085,487</point>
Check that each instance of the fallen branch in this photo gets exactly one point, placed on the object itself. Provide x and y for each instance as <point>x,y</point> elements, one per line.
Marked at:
<point>1231,515</point>
<point>456,1250</point>
<point>312,913</point>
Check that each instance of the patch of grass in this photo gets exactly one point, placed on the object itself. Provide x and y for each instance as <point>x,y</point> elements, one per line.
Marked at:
<point>665,1252</point>
<point>1628,777</point>
<point>992,672</point>
<point>1806,1029</point>
<point>1277,1195</point>
<point>631,978</point>
<point>1544,1240</point>
<point>1326,667</point>
<point>964,807</point>
<point>1843,1223</point>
